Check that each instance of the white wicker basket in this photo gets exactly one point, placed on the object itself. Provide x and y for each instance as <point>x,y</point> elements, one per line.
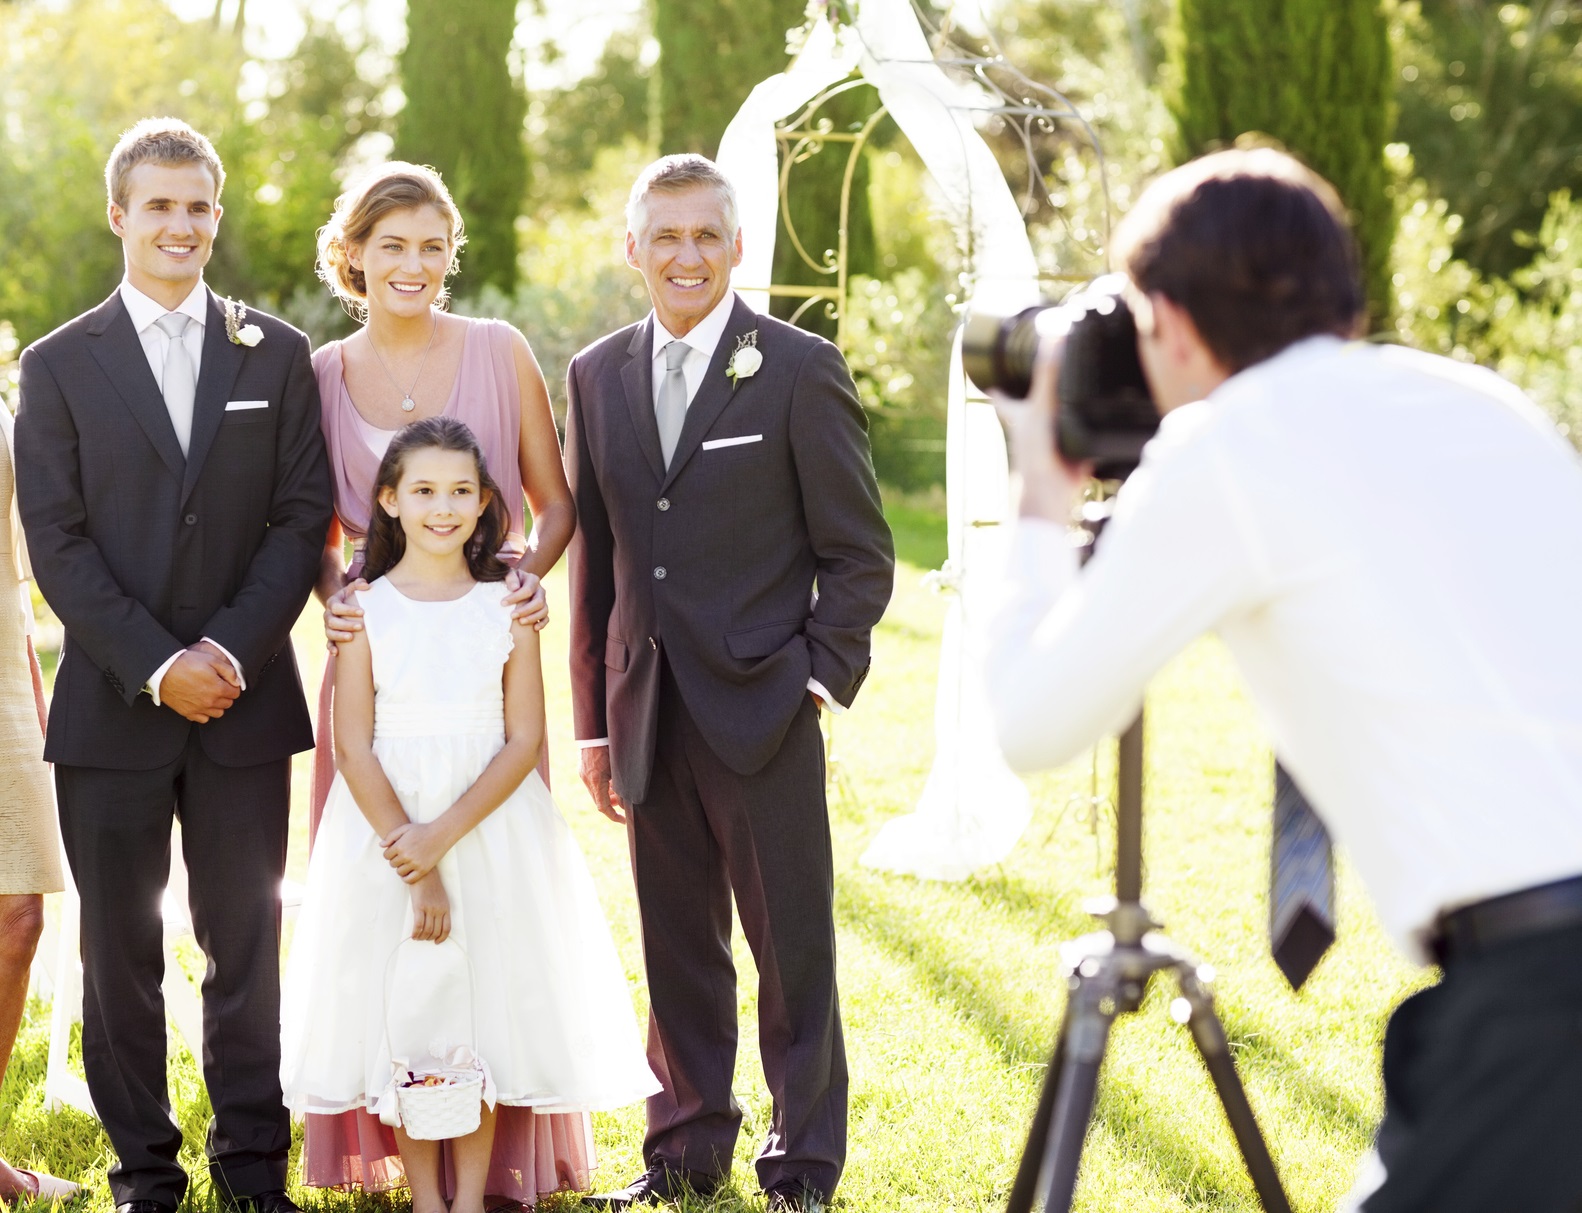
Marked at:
<point>449,1104</point>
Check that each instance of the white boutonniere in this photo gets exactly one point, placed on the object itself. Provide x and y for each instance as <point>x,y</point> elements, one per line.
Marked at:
<point>746,358</point>
<point>239,333</point>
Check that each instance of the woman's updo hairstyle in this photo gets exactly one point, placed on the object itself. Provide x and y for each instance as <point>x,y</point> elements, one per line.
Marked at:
<point>392,186</point>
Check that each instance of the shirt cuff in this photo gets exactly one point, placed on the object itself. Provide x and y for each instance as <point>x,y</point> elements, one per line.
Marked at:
<point>818,688</point>
<point>241,678</point>
<point>158,676</point>
<point>588,745</point>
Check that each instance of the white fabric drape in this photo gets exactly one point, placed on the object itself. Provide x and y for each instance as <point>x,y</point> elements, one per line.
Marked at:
<point>973,809</point>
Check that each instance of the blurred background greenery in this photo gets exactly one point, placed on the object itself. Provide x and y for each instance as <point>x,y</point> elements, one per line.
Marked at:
<point>1452,127</point>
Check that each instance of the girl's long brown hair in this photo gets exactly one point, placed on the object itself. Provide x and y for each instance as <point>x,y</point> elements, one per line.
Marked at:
<point>387,541</point>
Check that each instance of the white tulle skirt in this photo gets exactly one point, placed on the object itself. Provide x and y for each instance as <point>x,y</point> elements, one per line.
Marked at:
<point>535,987</point>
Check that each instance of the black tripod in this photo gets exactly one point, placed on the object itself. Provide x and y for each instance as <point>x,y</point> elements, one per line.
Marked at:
<point>1108,975</point>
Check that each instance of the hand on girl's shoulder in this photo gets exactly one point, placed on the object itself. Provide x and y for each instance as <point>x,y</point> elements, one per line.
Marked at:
<point>523,635</point>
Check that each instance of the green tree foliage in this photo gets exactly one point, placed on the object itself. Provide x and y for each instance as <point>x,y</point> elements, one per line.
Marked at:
<point>465,114</point>
<point>570,126</point>
<point>1316,76</point>
<point>1490,98</point>
<point>1104,57</point>
<point>80,73</point>
<point>712,54</point>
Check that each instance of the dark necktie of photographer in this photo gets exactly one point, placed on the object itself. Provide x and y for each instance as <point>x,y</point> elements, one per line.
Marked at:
<point>1301,883</point>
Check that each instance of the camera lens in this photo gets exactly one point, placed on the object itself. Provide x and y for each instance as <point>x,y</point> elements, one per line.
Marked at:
<point>1106,412</point>
<point>998,352</point>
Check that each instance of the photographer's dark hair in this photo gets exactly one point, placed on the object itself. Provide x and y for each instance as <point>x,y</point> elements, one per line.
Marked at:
<point>1253,245</point>
<point>387,541</point>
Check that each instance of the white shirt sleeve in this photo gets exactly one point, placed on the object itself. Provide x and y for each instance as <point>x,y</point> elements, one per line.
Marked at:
<point>158,676</point>
<point>590,743</point>
<point>1072,651</point>
<point>818,688</point>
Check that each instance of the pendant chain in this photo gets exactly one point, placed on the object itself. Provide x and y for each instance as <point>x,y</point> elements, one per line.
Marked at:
<point>407,403</point>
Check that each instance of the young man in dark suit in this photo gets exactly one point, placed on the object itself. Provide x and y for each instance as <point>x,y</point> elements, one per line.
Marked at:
<point>730,562</point>
<point>175,495</point>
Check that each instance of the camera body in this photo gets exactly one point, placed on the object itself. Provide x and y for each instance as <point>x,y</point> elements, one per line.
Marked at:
<point>1107,414</point>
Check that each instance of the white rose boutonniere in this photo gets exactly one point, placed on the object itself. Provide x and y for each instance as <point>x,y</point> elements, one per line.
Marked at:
<point>746,358</point>
<point>239,333</point>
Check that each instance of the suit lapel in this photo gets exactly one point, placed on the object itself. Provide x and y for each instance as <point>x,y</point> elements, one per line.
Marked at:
<point>715,392</point>
<point>222,362</point>
<point>119,353</point>
<point>637,378</point>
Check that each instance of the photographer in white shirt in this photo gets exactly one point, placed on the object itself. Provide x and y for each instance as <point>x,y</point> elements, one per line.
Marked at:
<point>1390,544</point>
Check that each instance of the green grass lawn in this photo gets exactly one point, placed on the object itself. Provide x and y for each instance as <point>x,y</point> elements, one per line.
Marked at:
<point>951,992</point>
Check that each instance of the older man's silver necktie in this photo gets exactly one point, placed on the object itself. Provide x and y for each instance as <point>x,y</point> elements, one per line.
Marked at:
<point>178,380</point>
<point>671,411</point>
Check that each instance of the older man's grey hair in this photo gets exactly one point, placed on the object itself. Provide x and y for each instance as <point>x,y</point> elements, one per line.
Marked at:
<point>674,175</point>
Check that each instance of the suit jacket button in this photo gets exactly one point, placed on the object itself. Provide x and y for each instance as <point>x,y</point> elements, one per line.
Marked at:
<point>664,504</point>
<point>191,520</point>
<point>659,573</point>
<point>653,644</point>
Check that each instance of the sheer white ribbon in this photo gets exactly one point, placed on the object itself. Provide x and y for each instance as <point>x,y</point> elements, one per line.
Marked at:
<point>973,809</point>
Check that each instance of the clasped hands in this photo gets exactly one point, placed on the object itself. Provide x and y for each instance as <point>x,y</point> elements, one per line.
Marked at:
<point>414,851</point>
<point>526,597</point>
<point>200,684</point>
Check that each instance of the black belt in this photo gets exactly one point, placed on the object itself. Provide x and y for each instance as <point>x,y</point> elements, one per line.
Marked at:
<point>1479,928</point>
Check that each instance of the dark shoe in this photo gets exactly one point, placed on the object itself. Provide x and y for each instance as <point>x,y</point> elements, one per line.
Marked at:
<point>275,1201</point>
<point>144,1206</point>
<point>657,1185</point>
<point>798,1198</point>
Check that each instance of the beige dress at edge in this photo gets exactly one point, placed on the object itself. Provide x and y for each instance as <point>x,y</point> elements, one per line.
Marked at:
<point>29,838</point>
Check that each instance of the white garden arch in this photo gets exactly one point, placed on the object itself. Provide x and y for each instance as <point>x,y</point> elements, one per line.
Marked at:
<point>972,809</point>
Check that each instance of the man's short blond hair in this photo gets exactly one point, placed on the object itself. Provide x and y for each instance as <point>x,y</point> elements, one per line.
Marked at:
<point>675,175</point>
<point>164,141</point>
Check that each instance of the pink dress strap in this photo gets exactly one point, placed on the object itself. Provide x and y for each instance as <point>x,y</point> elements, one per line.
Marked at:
<point>533,1153</point>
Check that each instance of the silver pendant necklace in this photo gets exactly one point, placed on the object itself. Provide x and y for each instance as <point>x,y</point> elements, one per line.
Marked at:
<point>407,403</point>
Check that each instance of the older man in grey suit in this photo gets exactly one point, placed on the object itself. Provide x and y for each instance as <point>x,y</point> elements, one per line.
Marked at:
<point>730,562</point>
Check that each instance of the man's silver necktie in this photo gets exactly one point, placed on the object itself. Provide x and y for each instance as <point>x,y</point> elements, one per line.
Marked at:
<point>179,380</point>
<point>1301,883</point>
<point>671,411</point>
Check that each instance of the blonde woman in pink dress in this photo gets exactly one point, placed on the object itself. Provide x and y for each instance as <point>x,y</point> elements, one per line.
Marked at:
<point>387,253</point>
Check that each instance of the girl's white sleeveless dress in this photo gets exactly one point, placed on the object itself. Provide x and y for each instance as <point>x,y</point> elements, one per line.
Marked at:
<point>535,987</point>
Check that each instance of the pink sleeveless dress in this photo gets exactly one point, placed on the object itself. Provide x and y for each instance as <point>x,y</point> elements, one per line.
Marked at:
<point>533,1154</point>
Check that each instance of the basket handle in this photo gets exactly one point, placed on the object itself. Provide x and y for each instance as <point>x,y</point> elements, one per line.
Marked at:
<point>472,1000</point>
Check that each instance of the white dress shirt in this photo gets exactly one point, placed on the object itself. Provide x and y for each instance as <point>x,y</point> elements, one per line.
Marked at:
<point>1390,544</point>
<point>145,315</point>
<point>701,343</point>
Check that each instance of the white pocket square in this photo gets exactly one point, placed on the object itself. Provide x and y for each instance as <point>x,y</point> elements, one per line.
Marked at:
<point>234,406</point>
<point>714,444</point>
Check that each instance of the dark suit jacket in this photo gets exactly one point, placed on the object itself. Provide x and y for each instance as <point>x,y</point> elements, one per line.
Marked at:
<point>715,562</point>
<point>141,552</point>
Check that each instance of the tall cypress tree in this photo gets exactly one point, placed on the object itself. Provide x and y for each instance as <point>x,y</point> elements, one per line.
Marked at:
<point>711,55</point>
<point>464,115</point>
<point>1315,75</point>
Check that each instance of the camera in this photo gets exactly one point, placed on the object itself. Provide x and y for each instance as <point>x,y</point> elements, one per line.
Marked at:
<point>1106,413</point>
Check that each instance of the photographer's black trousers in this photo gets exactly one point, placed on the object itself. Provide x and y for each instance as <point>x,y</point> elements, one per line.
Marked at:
<point>1483,1086</point>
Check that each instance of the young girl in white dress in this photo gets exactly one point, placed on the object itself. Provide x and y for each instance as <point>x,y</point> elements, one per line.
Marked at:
<point>447,904</point>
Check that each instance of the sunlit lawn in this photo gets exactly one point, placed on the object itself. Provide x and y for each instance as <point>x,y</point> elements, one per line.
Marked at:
<point>951,993</point>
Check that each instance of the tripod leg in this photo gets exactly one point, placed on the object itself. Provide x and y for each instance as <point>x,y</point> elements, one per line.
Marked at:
<point>1025,1187</point>
<point>1090,1013</point>
<point>1209,1035</point>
